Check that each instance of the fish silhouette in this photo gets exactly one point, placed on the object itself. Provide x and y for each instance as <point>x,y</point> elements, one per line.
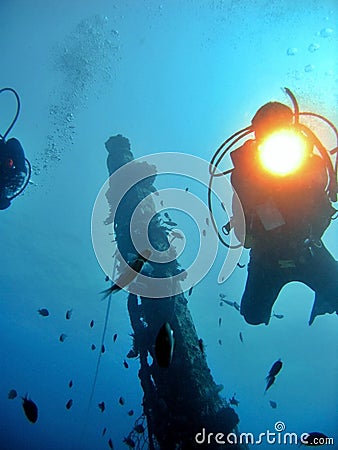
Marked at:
<point>129,274</point>
<point>30,409</point>
<point>275,369</point>
<point>12,394</point>
<point>164,345</point>
<point>69,404</point>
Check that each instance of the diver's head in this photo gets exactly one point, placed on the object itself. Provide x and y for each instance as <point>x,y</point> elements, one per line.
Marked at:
<point>271,117</point>
<point>116,143</point>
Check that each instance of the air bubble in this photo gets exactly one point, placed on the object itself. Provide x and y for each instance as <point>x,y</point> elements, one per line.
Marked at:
<point>291,51</point>
<point>313,48</point>
<point>309,68</point>
<point>326,32</point>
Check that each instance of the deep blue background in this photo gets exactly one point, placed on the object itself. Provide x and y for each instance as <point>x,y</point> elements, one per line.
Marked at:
<point>172,76</point>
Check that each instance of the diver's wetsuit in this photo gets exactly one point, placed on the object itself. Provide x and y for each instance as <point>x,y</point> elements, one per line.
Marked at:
<point>285,220</point>
<point>12,169</point>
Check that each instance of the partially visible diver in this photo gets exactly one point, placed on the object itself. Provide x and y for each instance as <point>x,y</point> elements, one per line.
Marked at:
<point>286,209</point>
<point>15,169</point>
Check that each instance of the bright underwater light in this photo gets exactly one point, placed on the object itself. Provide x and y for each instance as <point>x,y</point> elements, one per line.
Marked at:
<point>283,152</point>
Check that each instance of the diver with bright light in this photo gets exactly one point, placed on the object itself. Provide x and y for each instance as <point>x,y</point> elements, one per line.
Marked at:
<point>286,183</point>
<point>15,169</point>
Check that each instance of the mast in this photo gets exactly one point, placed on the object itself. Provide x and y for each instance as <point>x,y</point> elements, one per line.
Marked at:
<point>183,400</point>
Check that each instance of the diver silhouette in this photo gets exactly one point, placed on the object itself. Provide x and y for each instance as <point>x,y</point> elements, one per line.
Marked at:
<point>286,183</point>
<point>15,169</point>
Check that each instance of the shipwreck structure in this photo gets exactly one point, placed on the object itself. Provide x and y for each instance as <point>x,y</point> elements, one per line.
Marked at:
<point>183,400</point>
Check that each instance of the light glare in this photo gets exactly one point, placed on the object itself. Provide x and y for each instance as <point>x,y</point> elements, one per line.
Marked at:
<point>282,152</point>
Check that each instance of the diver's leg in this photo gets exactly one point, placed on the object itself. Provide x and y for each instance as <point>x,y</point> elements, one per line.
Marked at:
<point>264,282</point>
<point>322,277</point>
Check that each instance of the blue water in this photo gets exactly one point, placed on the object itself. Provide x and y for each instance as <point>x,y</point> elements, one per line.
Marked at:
<point>171,76</point>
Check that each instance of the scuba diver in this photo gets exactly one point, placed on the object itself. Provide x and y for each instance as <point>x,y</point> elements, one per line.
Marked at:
<point>15,169</point>
<point>286,183</point>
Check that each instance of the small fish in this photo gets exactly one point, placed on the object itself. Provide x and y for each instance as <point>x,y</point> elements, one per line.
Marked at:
<point>62,337</point>
<point>69,314</point>
<point>164,345</point>
<point>131,412</point>
<point>176,234</point>
<point>128,441</point>
<point>233,401</point>
<point>228,302</point>
<point>102,406</point>
<point>132,354</point>
<point>221,304</point>
<point>30,409</point>
<point>139,428</point>
<point>126,365</point>
<point>204,233</point>
<point>43,312</point>
<point>170,223</point>
<point>110,443</point>
<point>278,316</point>
<point>201,346</point>
<point>129,274</point>
<point>273,404</point>
<point>70,384</point>
<point>103,348</point>
<point>161,202</point>
<point>107,278</point>
<point>276,367</point>
<point>12,394</point>
<point>241,337</point>
<point>69,404</point>
<point>121,401</point>
<point>115,337</point>
<point>220,321</point>
<point>236,306</point>
<point>270,381</point>
<point>190,290</point>
<point>241,266</point>
<point>220,341</point>
<point>207,221</point>
<point>91,324</point>
<point>93,347</point>
<point>314,439</point>
<point>104,431</point>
